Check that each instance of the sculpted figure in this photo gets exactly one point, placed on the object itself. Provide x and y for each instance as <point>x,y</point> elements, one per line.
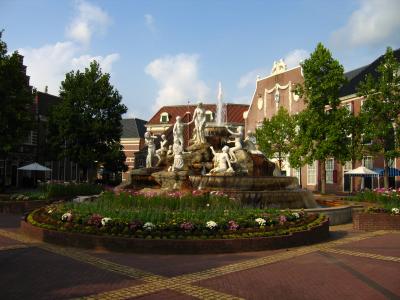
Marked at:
<point>178,157</point>
<point>199,119</point>
<point>222,163</point>
<point>239,135</point>
<point>151,148</point>
<point>163,147</point>
<point>178,130</point>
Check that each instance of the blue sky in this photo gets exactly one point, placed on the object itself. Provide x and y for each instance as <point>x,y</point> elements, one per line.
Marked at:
<point>169,52</point>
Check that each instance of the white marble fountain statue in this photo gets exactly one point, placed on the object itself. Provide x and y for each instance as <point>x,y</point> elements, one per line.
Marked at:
<point>210,164</point>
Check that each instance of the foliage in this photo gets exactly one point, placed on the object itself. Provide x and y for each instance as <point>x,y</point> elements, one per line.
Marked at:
<point>276,134</point>
<point>322,130</point>
<point>86,126</point>
<point>381,109</point>
<point>16,100</point>
<point>53,190</point>
<point>174,215</point>
<point>386,198</point>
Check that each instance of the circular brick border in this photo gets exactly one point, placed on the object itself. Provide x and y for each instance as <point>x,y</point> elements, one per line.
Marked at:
<point>376,221</point>
<point>313,235</point>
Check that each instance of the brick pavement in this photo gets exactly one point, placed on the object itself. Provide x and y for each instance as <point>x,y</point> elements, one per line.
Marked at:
<point>352,265</point>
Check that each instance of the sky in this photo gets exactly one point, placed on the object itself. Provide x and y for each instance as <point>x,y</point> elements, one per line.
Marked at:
<point>171,52</point>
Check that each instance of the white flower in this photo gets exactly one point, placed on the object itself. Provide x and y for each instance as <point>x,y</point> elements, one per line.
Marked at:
<point>105,221</point>
<point>208,204</point>
<point>296,215</point>
<point>66,217</point>
<point>261,222</point>
<point>395,211</point>
<point>149,226</point>
<point>211,224</point>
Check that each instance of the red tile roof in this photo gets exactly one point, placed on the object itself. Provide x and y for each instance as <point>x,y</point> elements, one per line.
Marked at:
<point>234,112</point>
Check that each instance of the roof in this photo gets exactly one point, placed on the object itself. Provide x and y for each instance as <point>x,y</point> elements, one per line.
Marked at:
<point>133,128</point>
<point>46,102</point>
<point>355,76</point>
<point>234,112</point>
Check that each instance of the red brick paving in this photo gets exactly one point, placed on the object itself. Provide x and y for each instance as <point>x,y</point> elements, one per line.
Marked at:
<point>32,273</point>
<point>174,265</point>
<point>388,245</point>
<point>307,277</point>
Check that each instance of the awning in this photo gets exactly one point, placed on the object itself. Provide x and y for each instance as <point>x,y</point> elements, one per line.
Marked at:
<point>34,167</point>
<point>362,172</point>
<point>392,172</point>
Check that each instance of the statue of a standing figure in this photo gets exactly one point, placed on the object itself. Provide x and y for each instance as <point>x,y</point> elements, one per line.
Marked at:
<point>239,135</point>
<point>178,130</point>
<point>222,163</point>
<point>199,119</point>
<point>151,148</point>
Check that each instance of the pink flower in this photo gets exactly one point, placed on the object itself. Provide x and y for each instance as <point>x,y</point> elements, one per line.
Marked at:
<point>187,226</point>
<point>232,225</point>
<point>282,219</point>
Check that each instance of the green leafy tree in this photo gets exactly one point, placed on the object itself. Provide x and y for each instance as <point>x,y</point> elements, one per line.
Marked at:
<point>86,126</point>
<point>275,136</point>
<point>322,131</point>
<point>16,99</point>
<point>381,110</point>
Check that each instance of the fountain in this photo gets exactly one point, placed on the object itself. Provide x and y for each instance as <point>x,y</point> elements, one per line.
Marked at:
<point>241,171</point>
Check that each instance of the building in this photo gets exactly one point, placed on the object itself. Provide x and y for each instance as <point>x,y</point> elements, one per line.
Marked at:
<point>35,149</point>
<point>277,90</point>
<point>163,120</point>
<point>132,140</point>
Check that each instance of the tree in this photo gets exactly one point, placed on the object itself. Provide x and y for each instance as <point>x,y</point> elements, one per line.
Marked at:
<point>16,100</point>
<point>322,130</point>
<point>86,126</point>
<point>275,136</point>
<point>381,110</point>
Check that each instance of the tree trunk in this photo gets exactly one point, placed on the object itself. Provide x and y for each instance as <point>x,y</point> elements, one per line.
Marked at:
<point>323,177</point>
<point>385,174</point>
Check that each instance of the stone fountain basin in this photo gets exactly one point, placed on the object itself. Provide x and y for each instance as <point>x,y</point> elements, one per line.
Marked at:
<point>244,183</point>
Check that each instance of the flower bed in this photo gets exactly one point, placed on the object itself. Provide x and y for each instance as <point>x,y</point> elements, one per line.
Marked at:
<point>172,217</point>
<point>387,198</point>
<point>377,219</point>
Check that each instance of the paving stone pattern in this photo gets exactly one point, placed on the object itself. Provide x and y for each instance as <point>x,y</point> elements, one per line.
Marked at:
<point>352,265</point>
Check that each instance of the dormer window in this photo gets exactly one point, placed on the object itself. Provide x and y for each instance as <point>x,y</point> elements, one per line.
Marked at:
<point>164,117</point>
<point>209,116</point>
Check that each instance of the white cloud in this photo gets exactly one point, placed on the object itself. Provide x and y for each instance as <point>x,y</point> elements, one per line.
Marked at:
<point>89,19</point>
<point>178,79</point>
<point>47,65</point>
<point>292,59</point>
<point>249,79</point>
<point>150,22</point>
<point>374,22</point>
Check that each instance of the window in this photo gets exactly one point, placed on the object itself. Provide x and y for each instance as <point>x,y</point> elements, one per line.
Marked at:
<point>391,163</point>
<point>367,162</point>
<point>209,116</point>
<point>164,117</point>
<point>296,173</point>
<point>329,167</point>
<point>31,139</point>
<point>312,173</point>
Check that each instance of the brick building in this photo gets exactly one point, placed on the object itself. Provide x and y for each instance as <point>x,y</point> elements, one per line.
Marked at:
<point>132,140</point>
<point>277,90</point>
